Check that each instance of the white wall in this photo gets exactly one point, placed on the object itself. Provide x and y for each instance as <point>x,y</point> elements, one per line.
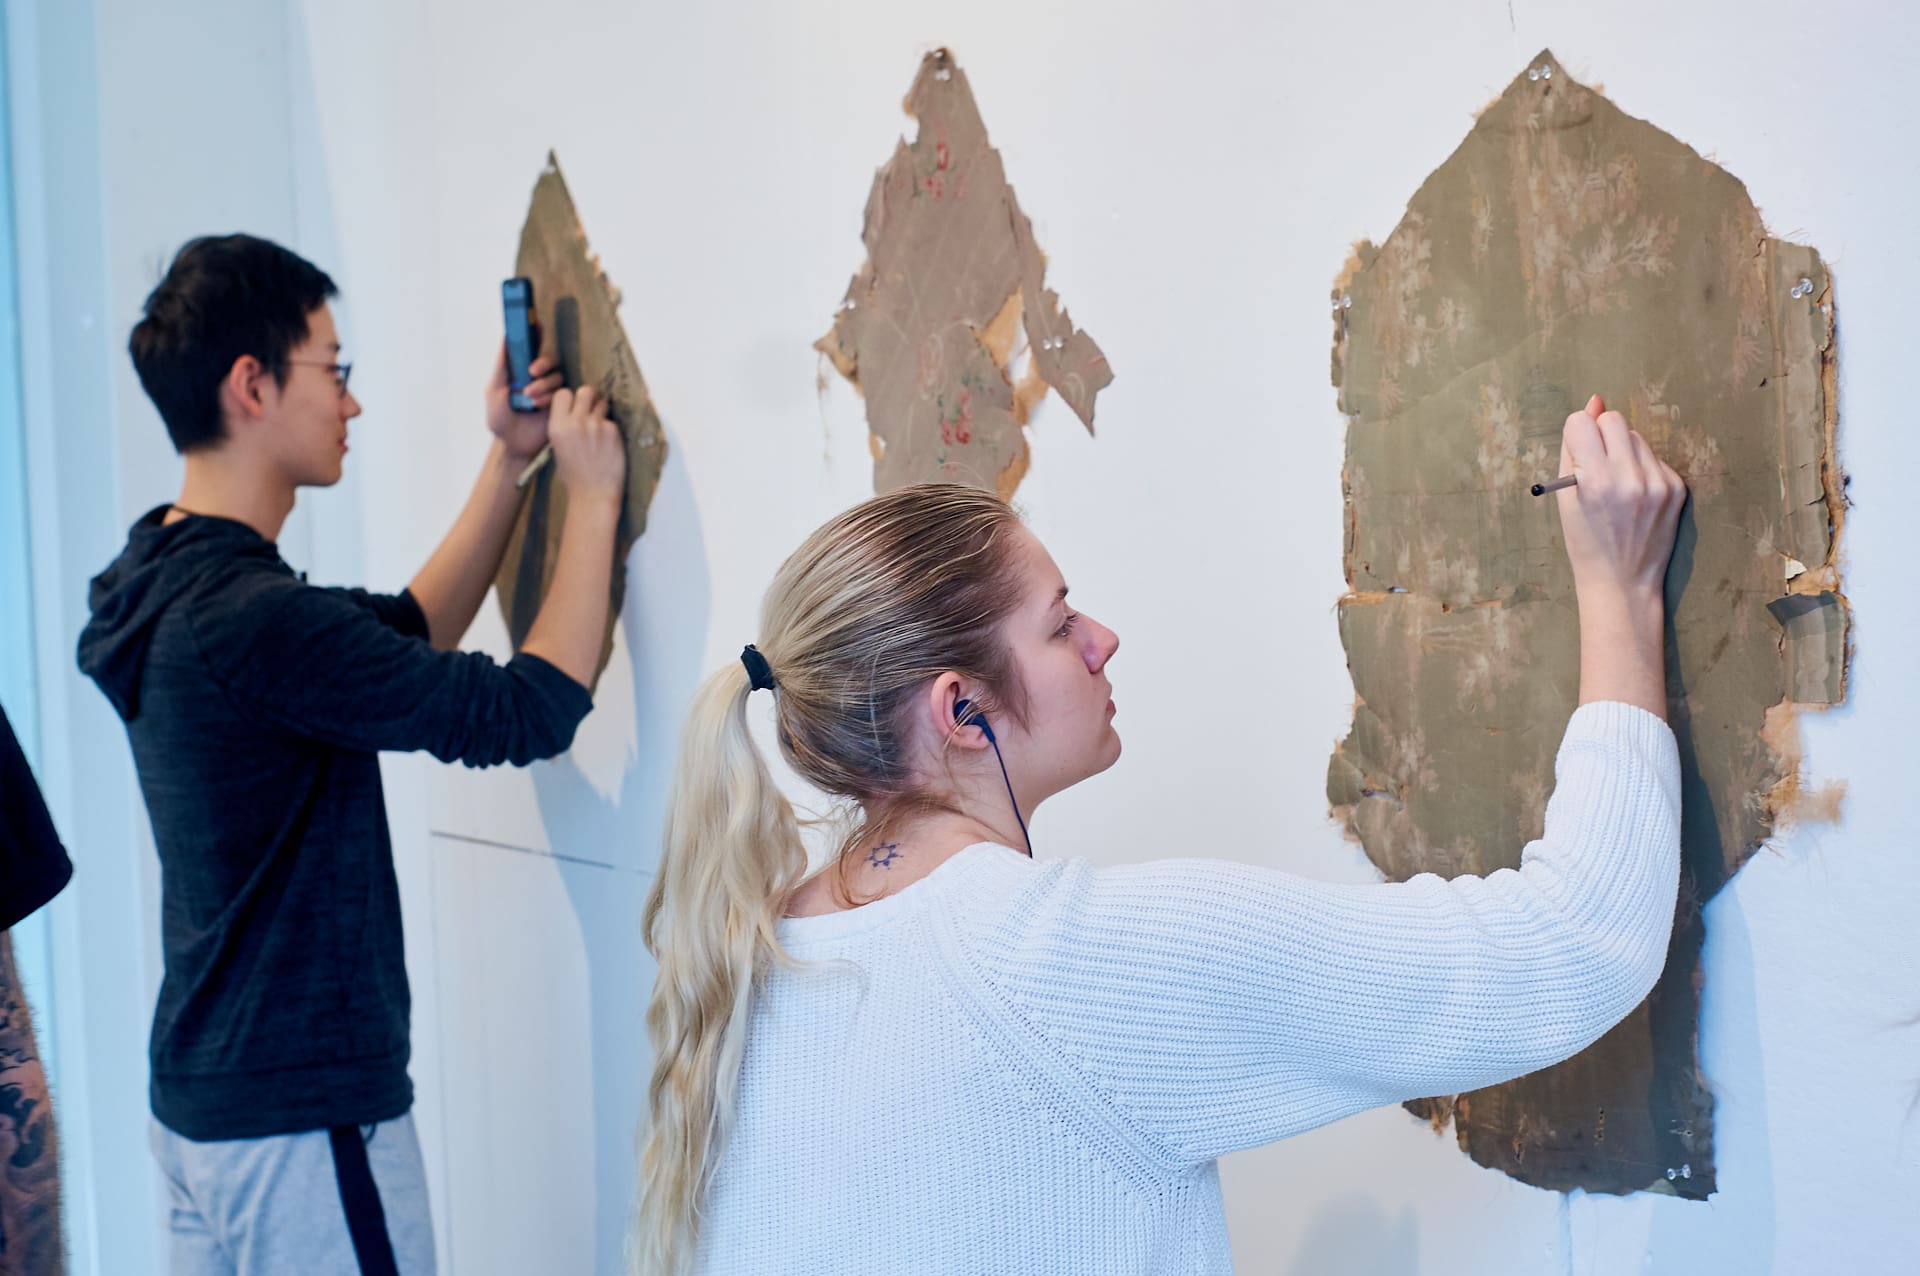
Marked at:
<point>101,928</point>
<point>133,127</point>
<point>1196,174</point>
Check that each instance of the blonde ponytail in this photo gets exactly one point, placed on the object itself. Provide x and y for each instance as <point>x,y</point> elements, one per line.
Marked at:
<point>732,854</point>
<point>859,618</point>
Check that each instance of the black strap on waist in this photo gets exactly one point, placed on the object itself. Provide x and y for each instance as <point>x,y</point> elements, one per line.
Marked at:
<point>366,1220</point>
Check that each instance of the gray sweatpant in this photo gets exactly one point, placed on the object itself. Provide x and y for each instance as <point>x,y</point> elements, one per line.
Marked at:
<point>249,1207</point>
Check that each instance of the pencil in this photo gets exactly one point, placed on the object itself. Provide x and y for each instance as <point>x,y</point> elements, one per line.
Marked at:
<point>546,454</point>
<point>1565,480</point>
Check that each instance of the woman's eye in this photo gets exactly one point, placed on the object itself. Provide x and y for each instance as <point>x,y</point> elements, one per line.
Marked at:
<point>1066,628</point>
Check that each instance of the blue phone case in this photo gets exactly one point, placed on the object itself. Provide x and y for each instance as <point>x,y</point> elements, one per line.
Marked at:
<point>516,298</point>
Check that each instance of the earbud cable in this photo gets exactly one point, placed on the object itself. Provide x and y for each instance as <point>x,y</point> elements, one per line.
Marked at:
<point>1010,797</point>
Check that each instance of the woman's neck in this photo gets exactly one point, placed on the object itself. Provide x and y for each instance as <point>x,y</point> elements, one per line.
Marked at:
<point>896,856</point>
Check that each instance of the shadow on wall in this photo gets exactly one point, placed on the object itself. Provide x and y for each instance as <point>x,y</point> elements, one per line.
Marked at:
<point>1356,1235</point>
<point>1737,1234</point>
<point>327,521</point>
<point>664,622</point>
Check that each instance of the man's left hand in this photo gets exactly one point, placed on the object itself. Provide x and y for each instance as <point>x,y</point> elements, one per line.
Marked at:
<point>523,433</point>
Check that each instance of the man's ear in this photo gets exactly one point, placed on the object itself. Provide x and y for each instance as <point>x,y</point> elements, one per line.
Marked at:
<point>944,695</point>
<point>243,391</point>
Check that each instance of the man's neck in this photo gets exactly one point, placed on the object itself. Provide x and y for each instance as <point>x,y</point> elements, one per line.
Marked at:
<point>220,485</point>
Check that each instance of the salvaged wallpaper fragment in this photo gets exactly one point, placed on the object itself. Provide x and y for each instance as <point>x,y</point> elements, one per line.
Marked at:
<point>930,322</point>
<point>1566,248</point>
<point>577,314</point>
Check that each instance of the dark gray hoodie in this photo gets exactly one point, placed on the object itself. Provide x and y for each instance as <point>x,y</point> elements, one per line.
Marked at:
<point>256,705</point>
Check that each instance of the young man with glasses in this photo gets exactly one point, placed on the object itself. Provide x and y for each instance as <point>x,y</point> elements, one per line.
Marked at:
<point>257,705</point>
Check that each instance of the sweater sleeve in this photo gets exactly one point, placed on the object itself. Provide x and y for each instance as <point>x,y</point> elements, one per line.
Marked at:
<point>1219,1006</point>
<point>339,667</point>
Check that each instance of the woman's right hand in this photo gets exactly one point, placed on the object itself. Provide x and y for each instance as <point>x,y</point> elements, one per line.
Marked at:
<point>588,448</point>
<point>1619,520</point>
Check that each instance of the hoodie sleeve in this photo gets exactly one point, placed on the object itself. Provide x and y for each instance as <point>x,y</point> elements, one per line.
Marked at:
<point>33,864</point>
<point>354,670</point>
<point>399,612</point>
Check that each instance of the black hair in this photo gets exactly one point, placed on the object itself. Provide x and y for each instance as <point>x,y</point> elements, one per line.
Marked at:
<point>224,296</point>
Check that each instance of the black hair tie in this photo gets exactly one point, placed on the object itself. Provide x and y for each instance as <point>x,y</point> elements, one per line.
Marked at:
<point>759,672</point>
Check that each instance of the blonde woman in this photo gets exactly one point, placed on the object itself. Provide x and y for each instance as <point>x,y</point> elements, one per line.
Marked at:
<point>941,1055</point>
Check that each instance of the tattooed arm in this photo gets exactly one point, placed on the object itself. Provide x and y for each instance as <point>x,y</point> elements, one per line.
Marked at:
<point>29,1152</point>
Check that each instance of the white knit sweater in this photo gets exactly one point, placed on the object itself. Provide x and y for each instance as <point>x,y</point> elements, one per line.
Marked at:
<point>1029,1067</point>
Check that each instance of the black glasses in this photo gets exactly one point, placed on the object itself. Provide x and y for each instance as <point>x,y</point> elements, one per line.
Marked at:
<point>341,371</point>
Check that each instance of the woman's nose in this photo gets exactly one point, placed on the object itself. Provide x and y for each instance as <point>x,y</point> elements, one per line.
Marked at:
<point>1102,643</point>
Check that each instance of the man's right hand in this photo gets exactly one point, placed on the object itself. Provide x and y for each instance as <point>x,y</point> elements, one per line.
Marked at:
<point>590,454</point>
<point>588,448</point>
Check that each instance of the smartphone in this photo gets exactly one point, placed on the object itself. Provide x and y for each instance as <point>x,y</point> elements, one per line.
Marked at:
<point>516,298</point>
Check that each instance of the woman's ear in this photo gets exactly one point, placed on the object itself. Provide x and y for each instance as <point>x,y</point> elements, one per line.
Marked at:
<point>952,715</point>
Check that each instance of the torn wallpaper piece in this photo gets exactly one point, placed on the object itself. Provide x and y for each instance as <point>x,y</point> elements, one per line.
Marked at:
<point>1567,248</point>
<point>929,324</point>
<point>577,314</point>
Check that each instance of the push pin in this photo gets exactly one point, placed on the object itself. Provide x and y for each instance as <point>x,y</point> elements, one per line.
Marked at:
<point>1541,72</point>
<point>1684,1172</point>
<point>1802,289</point>
<point>1346,302</point>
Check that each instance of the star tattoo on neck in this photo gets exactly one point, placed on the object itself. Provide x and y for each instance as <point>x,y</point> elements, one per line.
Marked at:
<point>883,855</point>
